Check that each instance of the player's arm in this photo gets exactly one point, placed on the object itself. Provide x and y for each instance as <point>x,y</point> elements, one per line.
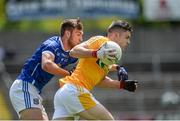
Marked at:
<point>122,76</point>
<point>107,82</point>
<point>82,51</point>
<point>130,85</point>
<point>48,65</point>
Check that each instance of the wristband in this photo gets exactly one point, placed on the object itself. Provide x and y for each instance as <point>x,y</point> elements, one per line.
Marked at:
<point>122,84</point>
<point>94,54</point>
<point>117,67</point>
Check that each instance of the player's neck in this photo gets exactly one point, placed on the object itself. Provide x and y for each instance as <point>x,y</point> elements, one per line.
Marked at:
<point>65,44</point>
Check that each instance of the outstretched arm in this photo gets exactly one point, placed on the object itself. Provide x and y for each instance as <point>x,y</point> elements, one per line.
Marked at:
<point>109,83</point>
<point>130,85</point>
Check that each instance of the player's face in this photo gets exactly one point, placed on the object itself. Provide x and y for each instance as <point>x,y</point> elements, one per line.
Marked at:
<point>123,39</point>
<point>76,37</point>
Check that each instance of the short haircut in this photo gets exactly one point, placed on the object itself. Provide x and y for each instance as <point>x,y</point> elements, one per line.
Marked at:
<point>70,24</point>
<point>120,24</point>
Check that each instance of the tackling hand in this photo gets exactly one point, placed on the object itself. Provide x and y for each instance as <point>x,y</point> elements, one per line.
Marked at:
<point>122,73</point>
<point>71,70</point>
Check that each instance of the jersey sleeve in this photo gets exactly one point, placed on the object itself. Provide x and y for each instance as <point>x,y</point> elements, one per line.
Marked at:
<point>50,48</point>
<point>73,60</point>
<point>96,42</point>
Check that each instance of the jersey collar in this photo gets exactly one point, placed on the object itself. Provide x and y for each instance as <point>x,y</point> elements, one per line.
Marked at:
<point>62,46</point>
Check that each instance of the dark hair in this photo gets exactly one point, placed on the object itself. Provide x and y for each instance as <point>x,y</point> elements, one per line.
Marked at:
<point>70,24</point>
<point>120,24</point>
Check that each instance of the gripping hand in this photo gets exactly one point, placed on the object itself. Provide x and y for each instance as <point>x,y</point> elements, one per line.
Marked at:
<point>106,53</point>
<point>71,70</point>
<point>103,53</point>
<point>122,73</point>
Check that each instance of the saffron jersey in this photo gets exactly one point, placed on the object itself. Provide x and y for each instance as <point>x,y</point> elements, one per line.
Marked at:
<point>89,71</point>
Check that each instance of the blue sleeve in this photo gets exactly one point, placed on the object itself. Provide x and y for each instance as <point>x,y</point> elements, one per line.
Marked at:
<point>49,47</point>
<point>73,60</point>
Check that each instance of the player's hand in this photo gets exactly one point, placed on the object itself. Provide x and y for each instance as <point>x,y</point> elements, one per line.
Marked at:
<point>103,53</point>
<point>122,73</point>
<point>71,70</point>
<point>130,85</point>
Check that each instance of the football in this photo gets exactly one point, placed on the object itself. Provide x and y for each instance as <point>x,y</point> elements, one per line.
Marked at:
<point>109,45</point>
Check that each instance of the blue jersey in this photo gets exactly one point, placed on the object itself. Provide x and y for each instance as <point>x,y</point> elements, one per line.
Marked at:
<point>32,71</point>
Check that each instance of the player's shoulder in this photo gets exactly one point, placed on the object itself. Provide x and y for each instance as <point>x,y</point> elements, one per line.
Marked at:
<point>51,41</point>
<point>98,37</point>
<point>53,38</point>
<point>96,41</point>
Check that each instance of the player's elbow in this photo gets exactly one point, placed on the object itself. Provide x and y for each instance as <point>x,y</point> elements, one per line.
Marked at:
<point>76,51</point>
<point>45,66</point>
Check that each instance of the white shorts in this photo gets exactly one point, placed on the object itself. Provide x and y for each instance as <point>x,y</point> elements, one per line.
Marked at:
<point>70,100</point>
<point>24,95</point>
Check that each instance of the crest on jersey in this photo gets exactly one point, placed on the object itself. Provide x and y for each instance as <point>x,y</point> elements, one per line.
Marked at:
<point>36,101</point>
<point>102,65</point>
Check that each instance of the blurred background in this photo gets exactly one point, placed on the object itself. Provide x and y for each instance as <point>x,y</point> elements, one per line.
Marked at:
<point>153,58</point>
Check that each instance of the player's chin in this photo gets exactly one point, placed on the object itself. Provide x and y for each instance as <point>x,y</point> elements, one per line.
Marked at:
<point>78,42</point>
<point>124,47</point>
<point>74,44</point>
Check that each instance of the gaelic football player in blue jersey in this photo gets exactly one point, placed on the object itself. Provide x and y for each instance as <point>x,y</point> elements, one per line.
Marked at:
<point>48,60</point>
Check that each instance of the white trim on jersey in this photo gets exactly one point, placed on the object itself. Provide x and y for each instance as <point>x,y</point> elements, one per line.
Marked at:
<point>35,69</point>
<point>47,51</point>
<point>63,45</point>
<point>33,82</point>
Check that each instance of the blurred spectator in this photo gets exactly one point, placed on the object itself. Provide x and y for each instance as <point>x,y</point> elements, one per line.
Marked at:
<point>170,99</point>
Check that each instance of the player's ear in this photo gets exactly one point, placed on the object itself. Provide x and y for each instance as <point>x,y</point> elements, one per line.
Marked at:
<point>117,34</point>
<point>68,34</point>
